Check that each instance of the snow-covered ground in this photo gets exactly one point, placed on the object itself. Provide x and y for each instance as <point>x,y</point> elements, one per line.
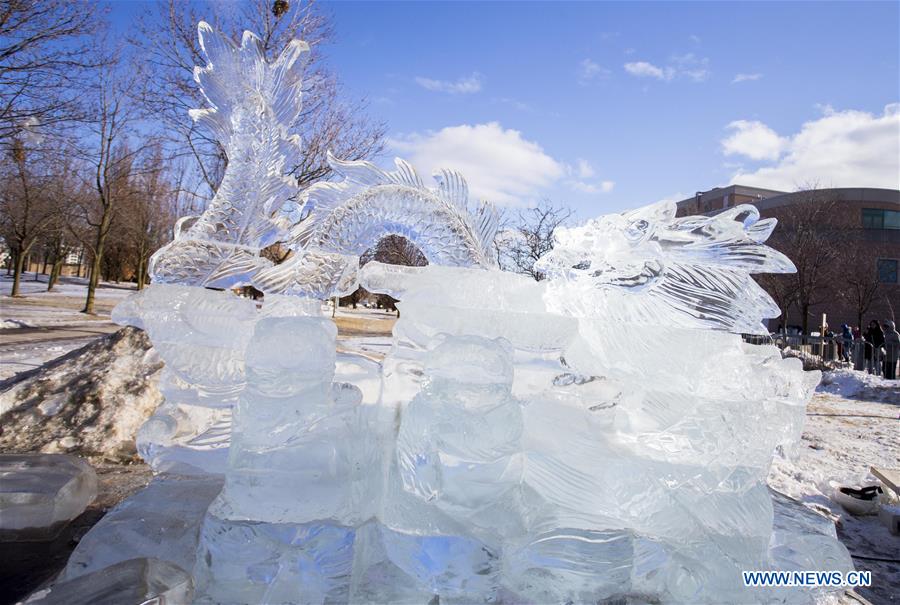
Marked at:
<point>66,286</point>
<point>852,424</point>
<point>36,307</point>
<point>40,326</point>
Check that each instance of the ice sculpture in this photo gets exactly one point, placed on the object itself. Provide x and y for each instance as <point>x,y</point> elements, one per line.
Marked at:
<point>602,435</point>
<point>41,493</point>
<point>141,580</point>
<point>253,108</point>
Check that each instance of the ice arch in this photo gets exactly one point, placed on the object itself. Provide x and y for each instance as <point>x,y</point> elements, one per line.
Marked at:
<point>348,217</point>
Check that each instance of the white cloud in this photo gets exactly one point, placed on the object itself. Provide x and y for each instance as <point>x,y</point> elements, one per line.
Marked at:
<point>583,169</point>
<point>841,149</point>
<point>464,85</point>
<point>579,175</point>
<point>754,140</point>
<point>695,38</point>
<point>679,66</point>
<point>520,105</point>
<point>691,66</point>
<point>601,187</point>
<point>588,70</point>
<point>499,164</point>
<point>642,69</point>
<point>746,78</point>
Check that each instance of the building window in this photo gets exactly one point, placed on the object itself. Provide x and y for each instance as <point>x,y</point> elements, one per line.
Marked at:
<point>887,270</point>
<point>874,218</point>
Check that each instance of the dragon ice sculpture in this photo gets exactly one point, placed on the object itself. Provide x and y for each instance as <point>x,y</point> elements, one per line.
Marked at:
<point>647,265</point>
<point>253,105</point>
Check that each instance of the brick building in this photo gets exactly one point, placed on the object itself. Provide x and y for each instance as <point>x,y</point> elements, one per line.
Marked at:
<point>867,221</point>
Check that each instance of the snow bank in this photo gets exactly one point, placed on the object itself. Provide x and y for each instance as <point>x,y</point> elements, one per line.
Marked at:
<point>89,402</point>
<point>852,384</point>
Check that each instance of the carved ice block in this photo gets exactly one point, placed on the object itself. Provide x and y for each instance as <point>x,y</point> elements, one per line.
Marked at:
<point>40,493</point>
<point>131,582</point>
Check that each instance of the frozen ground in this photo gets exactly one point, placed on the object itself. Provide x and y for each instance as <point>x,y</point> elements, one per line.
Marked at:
<point>851,424</point>
<point>40,325</point>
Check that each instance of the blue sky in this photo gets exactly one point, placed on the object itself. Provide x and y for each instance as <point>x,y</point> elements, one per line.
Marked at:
<point>605,106</point>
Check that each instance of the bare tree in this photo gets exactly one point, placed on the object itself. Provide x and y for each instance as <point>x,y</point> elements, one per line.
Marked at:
<point>395,250</point>
<point>58,240</point>
<point>328,121</point>
<point>112,162</point>
<point>151,213</point>
<point>44,48</point>
<point>782,290</point>
<point>859,284</point>
<point>809,236</point>
<point>529,236</point>
<point>28,208</point>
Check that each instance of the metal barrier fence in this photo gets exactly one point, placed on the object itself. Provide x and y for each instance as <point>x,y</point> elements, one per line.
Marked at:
<point>858,354</point>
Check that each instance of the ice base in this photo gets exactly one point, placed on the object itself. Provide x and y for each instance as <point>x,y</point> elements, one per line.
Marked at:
<point>161,521</point>
<point>40,493</point>
<point>131,582</point>
<point>255,562</point>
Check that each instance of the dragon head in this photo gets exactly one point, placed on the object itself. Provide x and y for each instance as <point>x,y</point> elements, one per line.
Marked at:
<point>648,265</point>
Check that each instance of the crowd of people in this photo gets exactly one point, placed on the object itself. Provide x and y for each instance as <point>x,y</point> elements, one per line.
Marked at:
<point>877,349</point>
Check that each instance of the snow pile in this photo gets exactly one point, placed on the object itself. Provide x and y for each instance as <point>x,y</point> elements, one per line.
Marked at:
<point>852,384</point>
<point>89,402</point>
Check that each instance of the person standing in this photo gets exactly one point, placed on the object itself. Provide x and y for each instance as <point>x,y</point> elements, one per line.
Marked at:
<point>875,337</point>
<point>859,349</point>
<point>847,337</point>
<point>891,349</point>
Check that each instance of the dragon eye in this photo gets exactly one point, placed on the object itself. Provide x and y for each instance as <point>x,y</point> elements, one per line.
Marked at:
<point>637,229</point>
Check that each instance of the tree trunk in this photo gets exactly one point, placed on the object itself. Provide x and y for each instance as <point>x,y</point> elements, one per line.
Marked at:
<point>139,278</point>
<point>97,261</point>
<point>144,274</point>
<point>17,272</point>
<point>805,310</point>
<point>92,282</point>
<point>55,270</point>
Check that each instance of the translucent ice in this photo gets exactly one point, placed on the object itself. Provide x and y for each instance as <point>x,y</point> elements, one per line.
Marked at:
<point>647,265</point>
<point>253,105</point>
<point>131,582</point>
<point>602,435</point>
<point>39,493</point>
<point>162,521</point>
